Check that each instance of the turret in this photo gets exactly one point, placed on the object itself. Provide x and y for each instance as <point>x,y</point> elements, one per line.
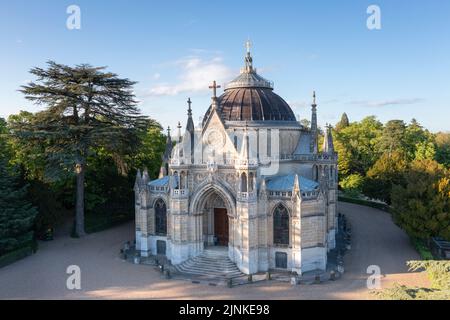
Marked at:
<point>328,147</point>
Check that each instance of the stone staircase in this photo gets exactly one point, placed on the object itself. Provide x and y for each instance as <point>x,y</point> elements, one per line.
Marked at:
<point>212,263</point>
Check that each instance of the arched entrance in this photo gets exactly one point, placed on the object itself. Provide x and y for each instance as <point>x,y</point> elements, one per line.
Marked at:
<point>215,220</point>
<point>214,205</point>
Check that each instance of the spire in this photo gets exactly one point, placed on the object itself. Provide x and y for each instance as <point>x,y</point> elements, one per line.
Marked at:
<point>138,182</point>
<point>328,146</point>
<point>145,177</point>
<point>179,132</point>
<point>138,175</point>
<point>168,150</point>
<point>296,187</point>
<point>189,102</point>
<point>190,128</point>
<point>314,132</point>
<point>190,123</point>
<point>314,113</point>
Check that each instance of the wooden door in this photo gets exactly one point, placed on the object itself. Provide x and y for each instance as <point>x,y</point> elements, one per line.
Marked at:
<point>221,226</point>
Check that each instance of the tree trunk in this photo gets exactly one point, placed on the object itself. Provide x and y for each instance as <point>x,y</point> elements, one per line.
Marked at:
<point>79,210</point>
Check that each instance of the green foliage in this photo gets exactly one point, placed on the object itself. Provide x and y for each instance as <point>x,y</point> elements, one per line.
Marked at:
<point>422,248</point>
<point>357,146</point>
<point>152,148</point>
<point>87,109</point>
<point>438,272</point>
<point>387,171</point>
<point>439,275</point>
<point>17,254</point>
<point>352,184</point>
<point>16,212</point>
<point>396,164</point>
<point>442,141</point>
<point>367,203</point>
<point>343,123</point>
<point>425,150</point>
<point>91,128</point>
<point>306,123</point>
<point>422,205</point>
<point>393,137</point>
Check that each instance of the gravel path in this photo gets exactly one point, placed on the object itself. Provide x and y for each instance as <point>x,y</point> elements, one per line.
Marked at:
<point>375,241</point>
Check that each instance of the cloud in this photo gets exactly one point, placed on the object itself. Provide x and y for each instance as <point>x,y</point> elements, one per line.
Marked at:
<point>383,103</point>
<point>195,74</point>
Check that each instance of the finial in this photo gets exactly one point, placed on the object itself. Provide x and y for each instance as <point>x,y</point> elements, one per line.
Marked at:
<point>214,87</point>
<point>168,131</point>
<point>248,46</point>
<point>248,58</point>
<point>189,102</point>
<point>314,98</point>
<point>179,131</point>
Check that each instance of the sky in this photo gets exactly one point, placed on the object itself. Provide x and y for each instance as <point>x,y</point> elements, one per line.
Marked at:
<point>175,49</point>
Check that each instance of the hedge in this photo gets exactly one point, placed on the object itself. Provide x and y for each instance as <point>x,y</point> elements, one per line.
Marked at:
<point>18,254</point>
<point>367,203</point>
<point>422,248</point>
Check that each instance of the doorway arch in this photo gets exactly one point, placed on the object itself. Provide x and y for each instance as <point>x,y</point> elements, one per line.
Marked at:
<point>215,207</point>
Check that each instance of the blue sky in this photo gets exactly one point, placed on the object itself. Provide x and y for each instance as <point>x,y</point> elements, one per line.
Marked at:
<point>175,48</point>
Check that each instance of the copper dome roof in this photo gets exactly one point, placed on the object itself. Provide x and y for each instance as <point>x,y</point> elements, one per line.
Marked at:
<point>250,97</point>
<point>252,104</point>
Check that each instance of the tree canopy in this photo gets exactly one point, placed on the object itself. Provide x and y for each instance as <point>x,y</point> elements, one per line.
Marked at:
<point>86,108</point>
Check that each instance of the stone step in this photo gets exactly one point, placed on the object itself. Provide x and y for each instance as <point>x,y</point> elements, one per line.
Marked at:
<point>209,272</point>
<point>220,276</point>
<point>208,268</point>
<point>212,263</point>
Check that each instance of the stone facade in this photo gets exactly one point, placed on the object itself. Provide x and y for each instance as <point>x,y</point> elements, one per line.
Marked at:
<point>256,185</point>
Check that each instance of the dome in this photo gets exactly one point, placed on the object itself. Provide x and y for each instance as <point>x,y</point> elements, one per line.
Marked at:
<point>250,97</point>
<point>252,104</point>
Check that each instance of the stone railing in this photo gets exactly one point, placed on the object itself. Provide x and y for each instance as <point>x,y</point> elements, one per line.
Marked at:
<point>310,194</point>
<point>308,157</point>
<point>282,194</point>
<point>158,188</point>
